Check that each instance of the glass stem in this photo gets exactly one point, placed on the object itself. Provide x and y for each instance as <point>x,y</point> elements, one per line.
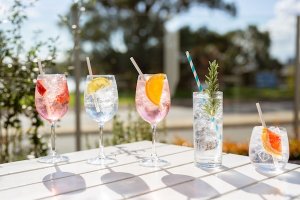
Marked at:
<point>101,148</point>
<point>53,152</point>
<point>154,155</point>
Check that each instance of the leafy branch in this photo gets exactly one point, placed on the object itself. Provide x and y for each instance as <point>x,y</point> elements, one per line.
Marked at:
<point>212,88</point>
<point>18,74</point>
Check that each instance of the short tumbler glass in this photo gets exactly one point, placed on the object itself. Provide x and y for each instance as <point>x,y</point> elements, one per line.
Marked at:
<point>208,129</point>
<point>269,148</point>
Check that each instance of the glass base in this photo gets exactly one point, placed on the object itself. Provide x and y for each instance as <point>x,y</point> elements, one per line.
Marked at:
<point>153,162</point>
<point>101,161</point>
<point>52,159</point>
<point>268,167</point>
<point>208,165</point>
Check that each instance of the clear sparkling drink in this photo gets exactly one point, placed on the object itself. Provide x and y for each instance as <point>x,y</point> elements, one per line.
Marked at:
<point>269,148</point>
<point>102,104</point>
<point>208,129</point>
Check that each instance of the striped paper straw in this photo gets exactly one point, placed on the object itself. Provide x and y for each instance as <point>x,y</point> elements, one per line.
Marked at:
<point>194,71</point>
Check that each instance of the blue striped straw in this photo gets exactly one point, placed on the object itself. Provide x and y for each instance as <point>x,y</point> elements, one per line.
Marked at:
<point>194,71</point>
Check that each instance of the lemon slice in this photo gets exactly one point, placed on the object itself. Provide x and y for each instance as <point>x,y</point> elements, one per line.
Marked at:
<point>96,84</point>
<point>154,88</point>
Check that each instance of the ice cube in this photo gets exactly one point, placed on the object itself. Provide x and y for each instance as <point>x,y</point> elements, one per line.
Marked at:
<point>263,156</point>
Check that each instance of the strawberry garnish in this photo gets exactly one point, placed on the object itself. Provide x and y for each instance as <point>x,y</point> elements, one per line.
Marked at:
<point>63,97</point>
<point>40,88</point>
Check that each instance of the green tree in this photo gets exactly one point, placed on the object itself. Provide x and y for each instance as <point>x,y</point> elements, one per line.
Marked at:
<point>18,74</point>
<point>254,49</point>
<point>113,31</point>
<point>238,52</point>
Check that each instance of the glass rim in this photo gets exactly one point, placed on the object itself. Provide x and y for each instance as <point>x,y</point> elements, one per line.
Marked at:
<point>280,127</point>
<point>203,92</point>
<point>149,75</point>
<point>50,74</point>
<point>154,74</point>
<point>100,75</point>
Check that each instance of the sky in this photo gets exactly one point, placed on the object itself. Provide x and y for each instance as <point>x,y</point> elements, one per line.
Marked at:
<point>278,17</point>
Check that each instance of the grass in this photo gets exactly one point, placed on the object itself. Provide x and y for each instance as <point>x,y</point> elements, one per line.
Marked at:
<point>251,93</point>
<point>246,93</point>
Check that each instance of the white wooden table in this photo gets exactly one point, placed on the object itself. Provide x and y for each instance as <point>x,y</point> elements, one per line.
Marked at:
<point>237,179</point>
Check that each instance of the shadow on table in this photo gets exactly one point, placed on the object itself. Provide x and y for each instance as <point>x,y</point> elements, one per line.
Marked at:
<point>189,186</point>
<point>291,177</point>
<point>61,182</point>
<point>139,154</point>
<point>125,184</point>
<point>239,180</point>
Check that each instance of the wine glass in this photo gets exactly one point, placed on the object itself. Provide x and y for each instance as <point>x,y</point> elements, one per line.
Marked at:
<point>101,104</point>
<point>51,102</point>
<point>152,99</point>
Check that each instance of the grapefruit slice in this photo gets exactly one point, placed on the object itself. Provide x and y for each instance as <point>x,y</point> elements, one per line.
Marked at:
<point>154,87</point>
<point>271,142</point>
<point>96,84</point>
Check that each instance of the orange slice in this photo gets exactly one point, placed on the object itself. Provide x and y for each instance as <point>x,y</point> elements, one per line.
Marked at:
<point>154,87</point>
<point>271,142</point>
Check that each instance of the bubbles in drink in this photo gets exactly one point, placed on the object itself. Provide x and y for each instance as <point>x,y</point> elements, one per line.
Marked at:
<point>147,109</point>
<point>102,104</point>
<point>52,96</point>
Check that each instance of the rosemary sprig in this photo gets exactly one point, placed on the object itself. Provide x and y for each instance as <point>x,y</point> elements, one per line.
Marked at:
<point>212,87</point>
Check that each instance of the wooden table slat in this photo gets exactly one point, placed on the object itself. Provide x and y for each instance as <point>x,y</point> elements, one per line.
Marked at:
<point>81,167</point>
<point>127,179</point>
<point>28,165</point>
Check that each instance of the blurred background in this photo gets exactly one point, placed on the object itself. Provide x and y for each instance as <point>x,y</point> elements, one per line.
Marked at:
<point>254,42</point>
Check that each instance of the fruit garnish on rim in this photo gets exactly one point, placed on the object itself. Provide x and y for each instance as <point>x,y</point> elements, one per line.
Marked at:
<point>96,84</point>
<point>154,88</point>
<point>40,87</point>
<point>271,142</point>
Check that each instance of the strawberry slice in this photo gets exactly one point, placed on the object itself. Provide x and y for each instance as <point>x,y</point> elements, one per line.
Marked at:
<point>40,88</point>
<point>63,97</point>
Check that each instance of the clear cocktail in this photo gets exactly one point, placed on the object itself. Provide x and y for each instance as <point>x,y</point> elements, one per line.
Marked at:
<point>101,103</point>
<point>208,129</point>
<point>269,148</point>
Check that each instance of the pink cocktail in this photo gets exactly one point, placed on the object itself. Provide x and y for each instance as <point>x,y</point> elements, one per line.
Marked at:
<point>153,103</point>
<point>51,101</point>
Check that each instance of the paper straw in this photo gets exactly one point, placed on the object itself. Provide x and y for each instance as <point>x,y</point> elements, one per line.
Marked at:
<point>194,71</point>
<point>89,65</point>
<point>93,95</point>
<point>260,115</point>
<point>44,99</point>
<point>137,68</point>
<point>40,67</point>
<point>275,161</point>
